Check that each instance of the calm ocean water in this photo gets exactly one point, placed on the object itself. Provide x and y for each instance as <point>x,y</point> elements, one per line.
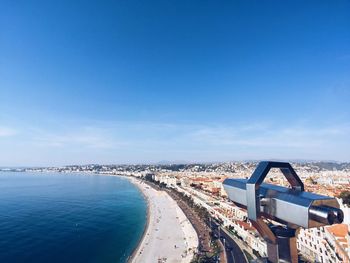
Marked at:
<point>68,218</point>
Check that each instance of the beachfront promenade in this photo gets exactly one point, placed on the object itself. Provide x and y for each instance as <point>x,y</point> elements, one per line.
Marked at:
<point>169,236</point>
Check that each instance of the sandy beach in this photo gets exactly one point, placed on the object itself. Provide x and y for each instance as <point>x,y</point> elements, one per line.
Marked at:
<point>169,236</point>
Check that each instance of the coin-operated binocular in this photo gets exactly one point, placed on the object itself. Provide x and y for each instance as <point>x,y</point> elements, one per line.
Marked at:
<point>291,208</point>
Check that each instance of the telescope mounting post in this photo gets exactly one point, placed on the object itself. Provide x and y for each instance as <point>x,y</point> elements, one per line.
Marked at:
<point>281,248</point>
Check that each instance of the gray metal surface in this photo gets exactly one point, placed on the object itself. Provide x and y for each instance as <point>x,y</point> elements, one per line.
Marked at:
<point>286,205</point>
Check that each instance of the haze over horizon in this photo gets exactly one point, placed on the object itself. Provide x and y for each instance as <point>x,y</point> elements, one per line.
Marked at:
<point>196,81</point>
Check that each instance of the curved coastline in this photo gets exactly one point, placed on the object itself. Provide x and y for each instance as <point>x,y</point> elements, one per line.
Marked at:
<point>146,227</point>
<point>168,234</point>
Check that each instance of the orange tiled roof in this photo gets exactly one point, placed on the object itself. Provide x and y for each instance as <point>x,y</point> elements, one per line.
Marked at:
<point>342,240</point>
<point>200,179</point>
<point>244,225</point>
<point>339,230</point>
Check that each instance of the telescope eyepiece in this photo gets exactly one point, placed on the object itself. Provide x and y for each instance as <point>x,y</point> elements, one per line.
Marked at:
<point>326,215</point>
<point>339,215</point>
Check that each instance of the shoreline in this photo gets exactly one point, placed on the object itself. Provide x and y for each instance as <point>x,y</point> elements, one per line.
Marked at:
<point>136,249</point>
<point>168,235</point>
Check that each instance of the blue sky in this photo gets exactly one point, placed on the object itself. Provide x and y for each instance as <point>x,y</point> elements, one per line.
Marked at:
<point>146,81</point>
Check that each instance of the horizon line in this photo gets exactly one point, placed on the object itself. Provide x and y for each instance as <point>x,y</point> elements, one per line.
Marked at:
<point>183,163</point>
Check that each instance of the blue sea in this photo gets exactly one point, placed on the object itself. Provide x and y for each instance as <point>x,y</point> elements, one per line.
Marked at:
<point>48,217</point>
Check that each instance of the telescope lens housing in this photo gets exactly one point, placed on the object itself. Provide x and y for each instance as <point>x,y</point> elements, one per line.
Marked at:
<point>326,215</point>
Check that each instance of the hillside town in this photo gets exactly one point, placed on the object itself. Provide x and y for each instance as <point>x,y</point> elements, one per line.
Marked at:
<point>203,183</point>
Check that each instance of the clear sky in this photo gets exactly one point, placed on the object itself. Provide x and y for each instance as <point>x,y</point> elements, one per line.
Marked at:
<point>145,81</point>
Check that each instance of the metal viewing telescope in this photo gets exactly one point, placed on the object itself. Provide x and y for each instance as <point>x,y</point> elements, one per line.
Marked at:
<point>289,208</point>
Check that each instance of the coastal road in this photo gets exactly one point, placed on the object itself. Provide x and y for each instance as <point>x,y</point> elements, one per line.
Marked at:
<point>233,252</point>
